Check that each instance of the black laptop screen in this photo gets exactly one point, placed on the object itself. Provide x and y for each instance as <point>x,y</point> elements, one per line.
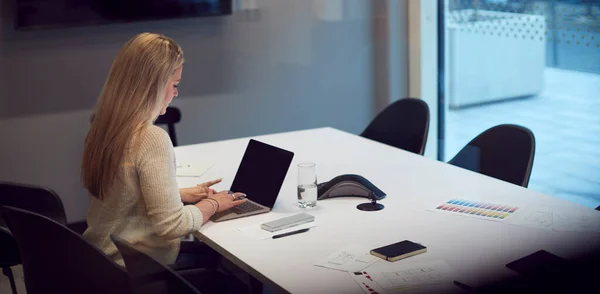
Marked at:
<point>261,172</point>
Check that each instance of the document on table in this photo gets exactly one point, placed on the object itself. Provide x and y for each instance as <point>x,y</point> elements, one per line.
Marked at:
<point>193,169</point>
<point>256,232</point>
<point>539,218</point>
<point>403,276</point>
<point>351,259</point>
<point>580,220</point>
<point>586,222</point>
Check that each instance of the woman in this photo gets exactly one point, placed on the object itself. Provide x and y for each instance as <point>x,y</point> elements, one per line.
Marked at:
<point>129,165</point>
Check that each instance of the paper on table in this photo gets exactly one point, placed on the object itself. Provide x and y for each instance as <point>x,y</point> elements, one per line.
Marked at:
<point>569,220</point>
<point>195,169</point>
<point>540,218</point>
<point>366,283</point>
<point>351,259</point>
<point>581,222</point>
<point>401,276</point>
<point>256,232</point>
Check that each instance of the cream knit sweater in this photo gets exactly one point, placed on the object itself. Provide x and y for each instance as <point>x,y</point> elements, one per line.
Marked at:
<point>144,206</point>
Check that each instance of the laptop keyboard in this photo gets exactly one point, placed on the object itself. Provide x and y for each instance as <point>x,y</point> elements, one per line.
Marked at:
<point>240,209</point>
<point>246,207</point>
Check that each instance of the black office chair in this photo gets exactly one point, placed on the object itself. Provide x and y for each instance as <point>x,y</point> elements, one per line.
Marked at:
<point>504,152</point>
<point>58,260</point>
<point>37,199</point>
<point>170,118</point>
<point>32,198</point>
<point>147,275</point>
<point>403,124</point>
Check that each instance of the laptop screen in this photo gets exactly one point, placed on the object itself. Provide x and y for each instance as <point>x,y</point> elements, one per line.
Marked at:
<point>261,172</point>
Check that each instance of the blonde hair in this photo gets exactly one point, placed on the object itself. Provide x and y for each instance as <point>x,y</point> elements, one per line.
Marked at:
<point>131,99</point>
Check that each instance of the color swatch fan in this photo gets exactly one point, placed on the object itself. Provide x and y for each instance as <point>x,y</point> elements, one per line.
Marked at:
<point>478,209</point>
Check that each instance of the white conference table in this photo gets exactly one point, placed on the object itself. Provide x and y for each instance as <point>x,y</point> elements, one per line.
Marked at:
<point>476,249</point>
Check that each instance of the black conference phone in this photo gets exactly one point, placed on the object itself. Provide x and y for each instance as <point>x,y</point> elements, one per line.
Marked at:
<point>349,185</point>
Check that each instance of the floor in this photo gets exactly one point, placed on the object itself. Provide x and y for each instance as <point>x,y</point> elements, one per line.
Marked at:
<point>565,119</point>
<point>5,285</point>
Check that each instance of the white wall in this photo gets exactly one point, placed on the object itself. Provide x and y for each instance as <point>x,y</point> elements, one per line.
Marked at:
<point>423,71</point>
<point>390,46</point>
<point>284,71</point>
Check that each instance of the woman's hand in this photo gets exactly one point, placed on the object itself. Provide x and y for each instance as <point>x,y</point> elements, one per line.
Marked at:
<point>201,191</point>
<point>218,202</point>
<point>227,200</point>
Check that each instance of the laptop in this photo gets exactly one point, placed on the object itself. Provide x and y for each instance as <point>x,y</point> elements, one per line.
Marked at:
<point>259,176</point>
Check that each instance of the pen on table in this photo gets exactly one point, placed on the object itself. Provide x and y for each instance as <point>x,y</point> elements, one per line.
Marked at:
<point>464,286</point>
<point>290,233</point>
<point>185,165</point>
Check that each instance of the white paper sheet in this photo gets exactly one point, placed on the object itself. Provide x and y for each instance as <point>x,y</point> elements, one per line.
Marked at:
<point>539,218</point>
<point>256,232</point>
<point>584,222</point>
<point>351,258</point>
<point>558,220</point>
<point>402,275</point>
<point>192,169</point>
<point>366,283</point>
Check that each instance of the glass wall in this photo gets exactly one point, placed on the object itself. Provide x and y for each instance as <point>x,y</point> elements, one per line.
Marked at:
<point>535,64</point>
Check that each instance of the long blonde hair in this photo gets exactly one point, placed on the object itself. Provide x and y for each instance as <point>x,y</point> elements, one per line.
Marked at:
<point>131,99</point>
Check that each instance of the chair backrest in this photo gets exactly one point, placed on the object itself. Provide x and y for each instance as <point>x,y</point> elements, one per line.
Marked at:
<point>170,118</point>
<point>58,260</point>
<point>147,275</point>
<point>504,152</point>
<point>403,124</point>
<point>32,198</point>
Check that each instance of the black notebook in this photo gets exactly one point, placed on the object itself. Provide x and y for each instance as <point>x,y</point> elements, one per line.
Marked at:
<point>399,250</point>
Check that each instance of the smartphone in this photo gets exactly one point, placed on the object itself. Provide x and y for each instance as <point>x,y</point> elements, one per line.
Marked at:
<point>540,264</point>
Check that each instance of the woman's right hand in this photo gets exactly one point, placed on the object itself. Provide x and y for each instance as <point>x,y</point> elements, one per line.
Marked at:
<point>226,200</point>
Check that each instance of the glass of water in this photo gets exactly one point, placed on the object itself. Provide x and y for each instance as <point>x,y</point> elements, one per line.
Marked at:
<point>307,185</point>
